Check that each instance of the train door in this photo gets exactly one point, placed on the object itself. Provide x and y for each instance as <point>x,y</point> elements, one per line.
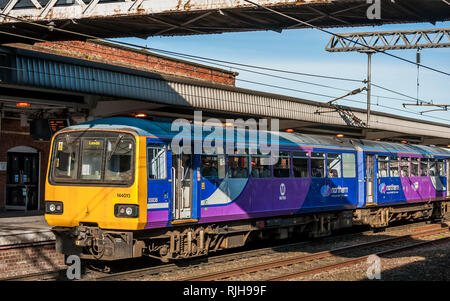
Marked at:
<point>370,178</point>
<point>22,186</point>
<point>182,177</point>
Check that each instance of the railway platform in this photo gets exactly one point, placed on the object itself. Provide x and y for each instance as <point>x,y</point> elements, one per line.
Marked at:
<point>27,245</point>
<point>20,229</point>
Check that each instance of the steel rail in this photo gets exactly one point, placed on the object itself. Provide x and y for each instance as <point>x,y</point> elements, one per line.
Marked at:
<point>305,258</point>
<point>217,258</point>
<point>351,262</point>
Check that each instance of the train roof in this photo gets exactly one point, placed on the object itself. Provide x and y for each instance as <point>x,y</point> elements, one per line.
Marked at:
<point>143,127</point>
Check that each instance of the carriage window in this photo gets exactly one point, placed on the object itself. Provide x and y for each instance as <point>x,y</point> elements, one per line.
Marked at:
<point>334,165</point>
<point>383,167</point>
<point>66,159</point>
<point>440,167</point>
<point>393,166</point>
<point>156,161</point>
<point>261,167</point>
<point>300,164</point>
<point>348,165</point>
<point>119,156</point>
<point>282,169</point>
<point>213,166</point>
<point>423,167</point>
<point>432,170</point>
<point>91,159</point>
<point>318,165</point>
<point>237,166</point>
<point>414,167</point>
<point>404,165</point>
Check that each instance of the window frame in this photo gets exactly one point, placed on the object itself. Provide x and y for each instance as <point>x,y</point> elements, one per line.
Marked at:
<point>270,166</point>
<point>340,165</point>
<point>399,172</point>
<point>107,154</point>
<point>286,154</point>
<point>92,134</point>
<point>227,157</point>
<point>165,161</point>
<point>387,160</point>
<point>311,158</point>
<point>308,163</point>
<point>409,166</point>
<point>444,167</point>
<point>355,165</point>
<point>417,160</point>
<point>421,161</point>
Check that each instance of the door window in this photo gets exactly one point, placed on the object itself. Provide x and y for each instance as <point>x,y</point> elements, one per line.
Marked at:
<point>156,161</point>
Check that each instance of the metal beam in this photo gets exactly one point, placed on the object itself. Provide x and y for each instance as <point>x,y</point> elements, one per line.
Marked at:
<point>390,40</point>
<point>372,135</point>
<point>323,17</point>
<point>173,26</point>
<point>184,24</point>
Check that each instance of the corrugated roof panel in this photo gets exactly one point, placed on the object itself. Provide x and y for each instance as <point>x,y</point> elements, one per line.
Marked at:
<point>61,73</point>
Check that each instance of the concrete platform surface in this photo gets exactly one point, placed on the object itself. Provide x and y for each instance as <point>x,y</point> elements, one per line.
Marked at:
<point>23,230</point>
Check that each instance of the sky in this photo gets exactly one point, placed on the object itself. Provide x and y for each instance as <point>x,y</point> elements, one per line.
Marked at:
<point>303,50</point>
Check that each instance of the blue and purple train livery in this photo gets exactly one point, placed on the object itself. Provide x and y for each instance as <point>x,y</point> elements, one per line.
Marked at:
<point>170,204</point>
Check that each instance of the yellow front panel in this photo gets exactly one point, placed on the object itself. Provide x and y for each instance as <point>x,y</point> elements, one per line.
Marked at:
<point>94,204</point>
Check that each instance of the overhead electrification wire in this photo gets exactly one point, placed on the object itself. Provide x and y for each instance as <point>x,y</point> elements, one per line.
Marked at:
<point>395,92</point>
<point>344,99</point>
<point>345,38</point>
<point>205,59</point>
<point>305,82</point>
<point>251,66</point>
<point>248,70</point>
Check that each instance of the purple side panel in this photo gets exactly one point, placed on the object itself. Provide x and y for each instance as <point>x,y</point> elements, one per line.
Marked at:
<point>261,198</point>
<point>419,189</point>
<point>157,218</point>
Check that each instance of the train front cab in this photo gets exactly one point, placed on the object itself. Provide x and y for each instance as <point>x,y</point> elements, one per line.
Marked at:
<point>92,196</point>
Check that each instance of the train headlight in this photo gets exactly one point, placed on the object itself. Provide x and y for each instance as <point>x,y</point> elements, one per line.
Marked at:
<point>53,207</point>
<point>129,211</point>
<point>125,210</point>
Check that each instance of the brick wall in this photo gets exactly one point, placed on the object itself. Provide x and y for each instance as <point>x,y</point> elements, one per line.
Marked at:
<point>132,58</point>
<point>19,261</point>
<point>13,134</point>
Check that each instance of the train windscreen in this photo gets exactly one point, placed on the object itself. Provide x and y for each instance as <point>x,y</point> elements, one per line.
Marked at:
<point>93,157</point>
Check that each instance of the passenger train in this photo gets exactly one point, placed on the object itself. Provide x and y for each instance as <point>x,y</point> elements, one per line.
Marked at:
<point>116,189</point>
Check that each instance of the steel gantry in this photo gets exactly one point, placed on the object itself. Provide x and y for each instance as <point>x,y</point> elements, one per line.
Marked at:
<point>390,40</point>
<point>143,18</point>
<point>380,41</point>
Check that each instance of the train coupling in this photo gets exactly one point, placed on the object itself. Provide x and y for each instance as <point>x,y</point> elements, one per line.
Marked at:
<point>90,242</point>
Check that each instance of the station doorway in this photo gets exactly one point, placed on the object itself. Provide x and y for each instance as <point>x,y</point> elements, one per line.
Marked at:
<point>22,180</point>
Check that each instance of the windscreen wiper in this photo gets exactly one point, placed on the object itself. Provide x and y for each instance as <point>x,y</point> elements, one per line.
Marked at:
<point>114,148</point>
<point>68,143</point>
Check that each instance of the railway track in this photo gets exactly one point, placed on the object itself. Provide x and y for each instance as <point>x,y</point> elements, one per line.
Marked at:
<point>325,261</point>
<point>194,266</point>
<point>203,264</point>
